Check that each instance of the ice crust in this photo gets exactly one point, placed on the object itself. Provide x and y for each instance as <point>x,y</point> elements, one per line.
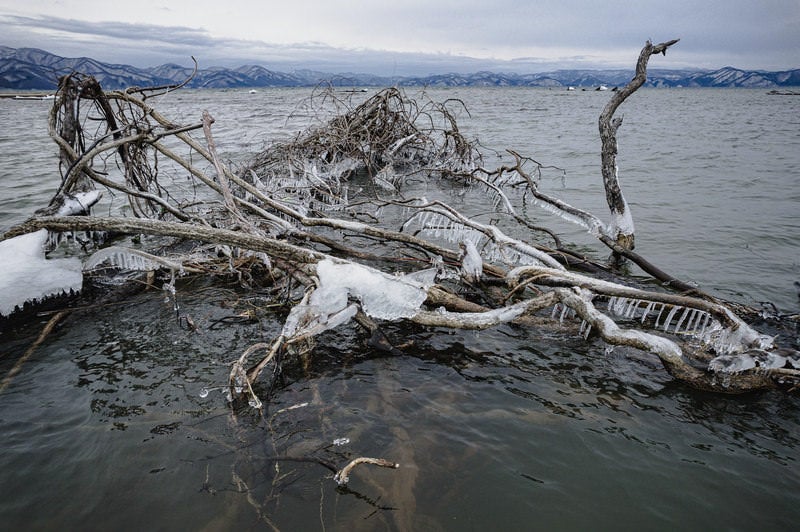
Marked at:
<point>747,360</point>
<point>78,203</point>
<point>129,259</point>
<point>732,363</point>
<point>380,295</point>
<point>471,263</point>
<point>28,276</point>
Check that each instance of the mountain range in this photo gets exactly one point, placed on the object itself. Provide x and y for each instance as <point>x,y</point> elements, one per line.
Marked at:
<point>33,69</point>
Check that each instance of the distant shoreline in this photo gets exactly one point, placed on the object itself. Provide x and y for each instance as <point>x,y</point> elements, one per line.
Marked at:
<point>37,95</point>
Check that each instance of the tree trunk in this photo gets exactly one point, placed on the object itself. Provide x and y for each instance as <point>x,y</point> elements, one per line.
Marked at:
<point>621,219</point>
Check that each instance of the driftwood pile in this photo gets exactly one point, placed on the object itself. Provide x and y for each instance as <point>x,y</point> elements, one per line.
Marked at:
<point>296,218</point>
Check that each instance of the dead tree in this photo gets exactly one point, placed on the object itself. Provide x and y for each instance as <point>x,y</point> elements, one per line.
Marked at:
<point>288,218</point>
<point>621,228</point>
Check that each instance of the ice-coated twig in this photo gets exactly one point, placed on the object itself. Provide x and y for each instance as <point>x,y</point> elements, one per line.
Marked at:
<point>238,379</point>
<point>733,334</point>
<point>129,259</point>
<point>492,232</point>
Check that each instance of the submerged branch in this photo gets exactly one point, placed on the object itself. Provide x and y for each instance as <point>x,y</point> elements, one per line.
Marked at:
<point>342,476</point>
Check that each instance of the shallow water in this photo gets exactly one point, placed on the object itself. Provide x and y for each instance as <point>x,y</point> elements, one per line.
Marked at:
<point>507,429</point>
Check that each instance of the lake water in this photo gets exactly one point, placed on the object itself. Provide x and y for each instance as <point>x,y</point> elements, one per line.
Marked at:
<point>506,429</point>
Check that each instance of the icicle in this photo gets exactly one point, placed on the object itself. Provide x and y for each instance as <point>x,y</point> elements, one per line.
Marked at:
<point>702,316</point>
<point>424,220</point>
<point>611,301</point>
<point>622,306</point>
<point>633,306</point>
<point>669,317</point>
<point>691,323</point>
<point>706,319</point>
<point>680,321</point>
<point>585,329</point>
<point>128,259</point>
<point>563,313</point>
<point>660,310</point>
<point>555,309</point>
<point>169,288</point>
<point>692,317</point>
<point>647,310</point>
<point>627,307</point>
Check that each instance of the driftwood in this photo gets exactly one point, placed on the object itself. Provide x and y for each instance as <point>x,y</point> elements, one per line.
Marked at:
<point>622,220</point>
<point>291,215</point>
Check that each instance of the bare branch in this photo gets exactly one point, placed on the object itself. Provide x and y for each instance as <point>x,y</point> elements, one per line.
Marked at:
<point>342,476</point>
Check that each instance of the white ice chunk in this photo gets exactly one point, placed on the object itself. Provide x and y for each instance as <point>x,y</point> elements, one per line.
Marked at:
<point>28,276</point>
<point>471,261</point>
<point>726,340</point>
<point>381,296</point>
<point>732,363</point>
<point>78,203</point>
<point>426,278</point>
<point>622,223</point>
<point>767,360</point>
<point>748,360</point>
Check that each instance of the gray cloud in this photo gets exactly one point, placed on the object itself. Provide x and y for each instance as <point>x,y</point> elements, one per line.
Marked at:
<point>462,36</point>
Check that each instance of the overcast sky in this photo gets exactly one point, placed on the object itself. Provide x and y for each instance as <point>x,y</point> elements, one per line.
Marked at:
<point>404,37</point>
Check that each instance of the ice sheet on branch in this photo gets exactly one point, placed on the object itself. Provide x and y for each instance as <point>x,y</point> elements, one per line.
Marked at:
<point>28,276</point>
<point>380,295</point>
